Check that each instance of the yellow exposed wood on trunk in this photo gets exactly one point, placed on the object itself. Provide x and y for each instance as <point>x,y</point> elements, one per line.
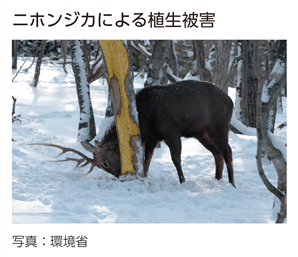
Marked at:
<point>117,63</point>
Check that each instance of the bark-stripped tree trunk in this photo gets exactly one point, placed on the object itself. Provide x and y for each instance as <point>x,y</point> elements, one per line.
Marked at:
<point>198,65</point>
<point>116,56</point>
<point>267,94</point>
<point>157,71</point>
<point>38,63</point>
<point>87,129</point>
<point>14,54</point>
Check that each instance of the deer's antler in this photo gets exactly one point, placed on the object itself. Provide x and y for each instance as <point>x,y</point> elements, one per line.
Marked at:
<point>85,158</point>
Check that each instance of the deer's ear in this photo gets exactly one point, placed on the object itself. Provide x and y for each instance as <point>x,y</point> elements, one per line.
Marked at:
<point>88,147</point>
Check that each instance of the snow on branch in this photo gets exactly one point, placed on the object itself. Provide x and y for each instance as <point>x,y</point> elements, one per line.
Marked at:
<point>276,75</point>
<point>171,76</point>
<point>98,66</point>
<point>241,128</point>
<point>265,97</point>
<point>140,49</point>
<point>105,125</point>
<point>144,50</point>
<point>278,144</point>
<point>278,70</point>
<point>86,128</point>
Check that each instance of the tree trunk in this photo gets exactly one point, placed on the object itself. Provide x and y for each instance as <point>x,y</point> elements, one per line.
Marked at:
<point>173,58</point>
<point>249,84</point>
<point>220,69</point>
<point>157,71</point>
<point>267,94</point>
<point>238,100</point>
<point>87,129</point>
<point>64,44</point>
<point>272,56</point>
<point>15,54</point>
<point>38,63</point>
<point>97,69</point>
<point>117,56</point>
<point>86,57</point>
<point>141,54</point>
<point>198,66</point>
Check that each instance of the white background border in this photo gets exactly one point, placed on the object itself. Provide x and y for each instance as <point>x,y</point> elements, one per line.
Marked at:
<point>234,20</point>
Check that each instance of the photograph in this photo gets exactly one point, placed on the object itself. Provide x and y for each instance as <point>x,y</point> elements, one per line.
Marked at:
<point>154,128</point>
<point>185,116</point>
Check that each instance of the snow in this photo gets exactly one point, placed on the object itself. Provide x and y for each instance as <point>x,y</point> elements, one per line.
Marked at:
<point>84,92</point>
<point>105,124</point>
<point>278,70</point>
<point>98,65</point>
<point>207,65</point>
<point>54,192</point>
<point>169,71</point>
<point>265,96</point>
<point>242,128</point>
<point>278,144</point>
<point>145,50</point>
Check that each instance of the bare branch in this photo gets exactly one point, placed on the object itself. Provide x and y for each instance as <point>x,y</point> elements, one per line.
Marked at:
<point>18,71</point>
<point>283,210</point>
<point>284,124</point>
<point>98,73</point>
<point>14,117</point>
<point>86,56</point>
<point>266,100</point>
<point>267,183</point>
<point>14,105</point>
<point>171,76</point>
<point>140,50</point>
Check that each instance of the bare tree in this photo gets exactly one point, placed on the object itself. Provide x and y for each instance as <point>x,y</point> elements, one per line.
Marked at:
<point>268,91</point>
<point>138,48</point>
<point>220,68</point>
<point>249,83</point>
<point>14,54</point>
<point>64,47</point>
<point>97,69</point>
<point>14,117</point>
<point>157,71</point>
<point>40,55</point>
<point>238,111</point>
<point>87,129</point>
<point>173,58</point>
<point>271,58</point>
<point>117,60</point>
<point>198,65</point>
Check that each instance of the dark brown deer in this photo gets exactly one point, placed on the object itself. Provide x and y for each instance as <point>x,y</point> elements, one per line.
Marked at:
<point>167,113</point>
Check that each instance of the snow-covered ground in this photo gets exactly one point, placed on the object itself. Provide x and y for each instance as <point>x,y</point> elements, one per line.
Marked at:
<point>54,192</point>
